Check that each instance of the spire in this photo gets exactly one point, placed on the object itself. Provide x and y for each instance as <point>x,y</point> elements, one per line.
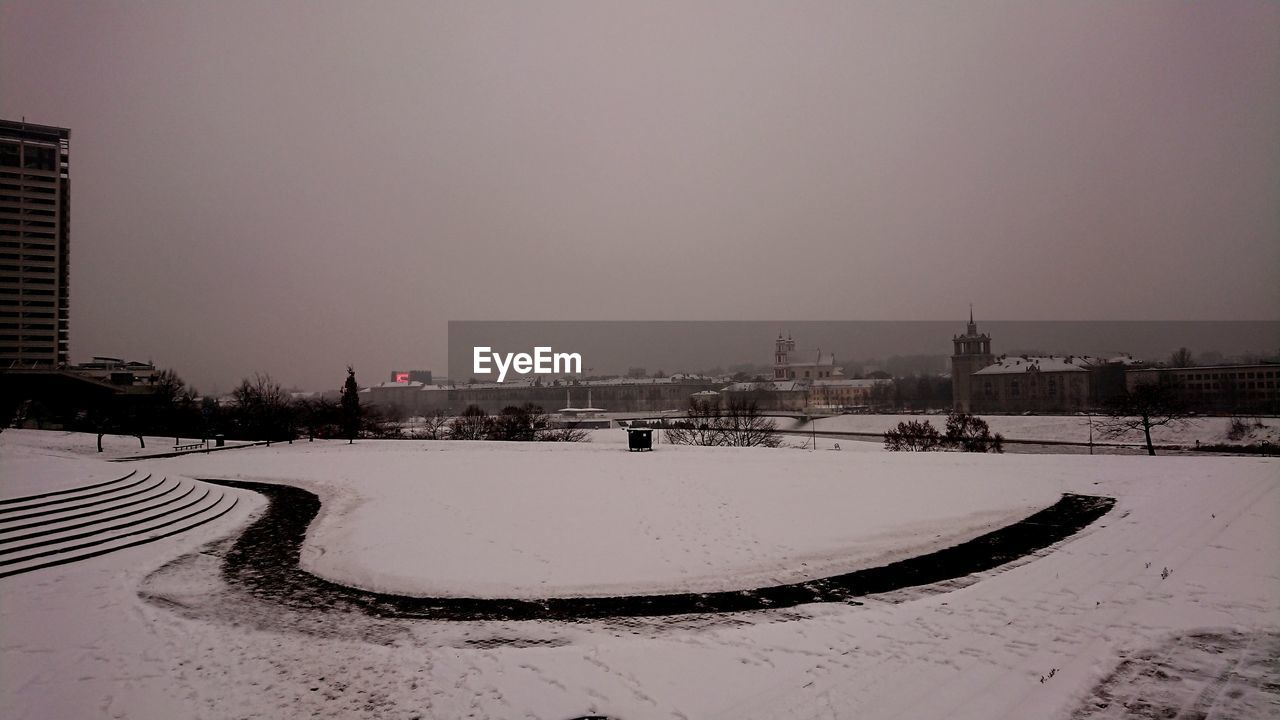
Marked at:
<point>970,313</point>
<point>973,326</point>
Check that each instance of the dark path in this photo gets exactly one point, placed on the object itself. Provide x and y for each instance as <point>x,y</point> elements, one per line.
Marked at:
<point>264,562</point>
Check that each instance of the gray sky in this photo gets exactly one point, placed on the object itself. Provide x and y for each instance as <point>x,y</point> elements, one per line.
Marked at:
<point>287,187</point>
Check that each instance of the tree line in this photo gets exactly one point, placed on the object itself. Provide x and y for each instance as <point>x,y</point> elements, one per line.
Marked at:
<point>258,408</point>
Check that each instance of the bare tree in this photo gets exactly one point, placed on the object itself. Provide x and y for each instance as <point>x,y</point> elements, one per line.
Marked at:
<point>744,426</point>
<point>473,424</point>
<point>1181,358</point>
<point>435,425</point>
<point>111,417</point>
<point>263,410</point>
<point>739,424</point>
<point>565,433</point>
<point>378,424</point>
<point>519,423</point>
<point>320,417</point>
<point>700,427</point>
<point>1148,405</point>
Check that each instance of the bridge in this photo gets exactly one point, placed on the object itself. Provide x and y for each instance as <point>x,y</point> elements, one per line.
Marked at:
<point>804,415</point>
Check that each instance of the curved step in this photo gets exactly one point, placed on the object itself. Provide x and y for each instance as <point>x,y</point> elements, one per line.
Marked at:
<point>53,519</point>
<point>95,503</point>
<point>28,498</point>
<point>99,525</point>
<point>89,550</point>
<point>8,514</point>
<point>98,538</point>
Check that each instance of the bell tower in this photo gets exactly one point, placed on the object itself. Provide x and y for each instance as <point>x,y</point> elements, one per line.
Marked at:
<point>972,353</point>
<point>782,350</point>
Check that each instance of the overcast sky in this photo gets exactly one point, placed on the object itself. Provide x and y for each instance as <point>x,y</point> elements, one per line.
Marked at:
<point>289,187</point>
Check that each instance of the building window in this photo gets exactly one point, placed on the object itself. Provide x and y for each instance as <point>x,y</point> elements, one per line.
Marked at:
<point>39,158</point>
<point>9,154</point>
<point>1013,389</point>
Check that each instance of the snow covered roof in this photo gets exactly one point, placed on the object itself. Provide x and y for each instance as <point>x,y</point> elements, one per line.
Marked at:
<point>393,384</point>
<point>822,359</point>
<point>1043,363</point>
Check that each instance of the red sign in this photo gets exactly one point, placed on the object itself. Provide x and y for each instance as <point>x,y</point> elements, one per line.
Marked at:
<point>402,377</point>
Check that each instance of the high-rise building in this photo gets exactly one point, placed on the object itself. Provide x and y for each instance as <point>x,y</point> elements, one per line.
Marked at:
<point>34,245</point>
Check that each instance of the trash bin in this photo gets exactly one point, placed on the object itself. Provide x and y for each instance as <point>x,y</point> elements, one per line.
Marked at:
<point>639,439</point>
<point>219,440</point>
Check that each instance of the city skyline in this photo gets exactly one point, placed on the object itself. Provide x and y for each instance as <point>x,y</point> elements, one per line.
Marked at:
<point>334,186</point>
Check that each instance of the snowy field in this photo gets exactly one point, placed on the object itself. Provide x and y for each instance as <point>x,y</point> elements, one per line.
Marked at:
<point>535,520</point>
<point>1181,574</point>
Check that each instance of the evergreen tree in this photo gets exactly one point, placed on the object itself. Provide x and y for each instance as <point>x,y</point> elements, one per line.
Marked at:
<point>351,406</point>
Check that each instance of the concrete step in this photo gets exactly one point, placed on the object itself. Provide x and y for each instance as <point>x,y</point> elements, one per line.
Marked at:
<point>100,494</point>
<point>133,497</point>
<point>181,497</point>
<point>35,500</point>
<point>181,506</point>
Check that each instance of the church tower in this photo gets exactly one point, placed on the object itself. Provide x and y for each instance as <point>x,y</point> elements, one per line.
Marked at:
<point>782,350</point>
<point>972,353</point>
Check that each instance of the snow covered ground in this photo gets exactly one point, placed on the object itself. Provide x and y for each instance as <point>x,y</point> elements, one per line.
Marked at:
<point>1183,568</point>
<point>537,520</point>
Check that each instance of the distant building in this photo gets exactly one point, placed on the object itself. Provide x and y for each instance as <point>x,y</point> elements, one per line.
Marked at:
<point>1032,384</point>
<point>418,376</point>
<point>395,398</point>
<point>789,365</point>
<point>117,371</point>
<point>984,383</point>
<point>844,393</point>
<point>777,395</point>
<point>972,353</point>
<point>34,245</point>
<point>1238,388</point>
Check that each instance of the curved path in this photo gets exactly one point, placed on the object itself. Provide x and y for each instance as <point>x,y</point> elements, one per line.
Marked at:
<point>264,562</point>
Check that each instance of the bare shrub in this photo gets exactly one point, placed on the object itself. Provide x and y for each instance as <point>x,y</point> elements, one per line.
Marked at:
<point>739,424</point>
